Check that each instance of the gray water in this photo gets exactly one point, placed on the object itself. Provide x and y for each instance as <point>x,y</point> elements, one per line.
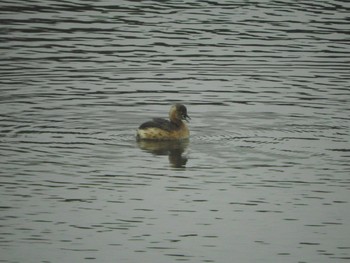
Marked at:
<point>264,177</point>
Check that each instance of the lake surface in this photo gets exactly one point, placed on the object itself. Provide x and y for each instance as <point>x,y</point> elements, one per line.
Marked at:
<point>265,176</point>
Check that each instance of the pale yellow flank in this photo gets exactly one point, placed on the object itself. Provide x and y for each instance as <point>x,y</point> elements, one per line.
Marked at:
<point>159,134</point>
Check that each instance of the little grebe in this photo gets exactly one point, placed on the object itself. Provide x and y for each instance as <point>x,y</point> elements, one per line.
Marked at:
<point>162,129</point>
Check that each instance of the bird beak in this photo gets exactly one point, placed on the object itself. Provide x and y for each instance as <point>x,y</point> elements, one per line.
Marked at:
<point>186,118</point>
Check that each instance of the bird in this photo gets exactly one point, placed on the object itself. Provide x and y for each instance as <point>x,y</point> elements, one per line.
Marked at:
<point>159,129</point>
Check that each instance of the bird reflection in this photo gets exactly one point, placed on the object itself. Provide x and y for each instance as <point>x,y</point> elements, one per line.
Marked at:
<point>174,149</point>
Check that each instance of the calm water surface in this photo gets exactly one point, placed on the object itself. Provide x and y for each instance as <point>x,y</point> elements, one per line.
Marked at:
<point>264,177</point>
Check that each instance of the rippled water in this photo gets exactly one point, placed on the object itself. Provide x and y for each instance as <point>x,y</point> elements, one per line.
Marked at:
<point>264,177</point>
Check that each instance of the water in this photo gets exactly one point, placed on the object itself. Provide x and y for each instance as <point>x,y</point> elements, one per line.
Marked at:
<point>264,177</point>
